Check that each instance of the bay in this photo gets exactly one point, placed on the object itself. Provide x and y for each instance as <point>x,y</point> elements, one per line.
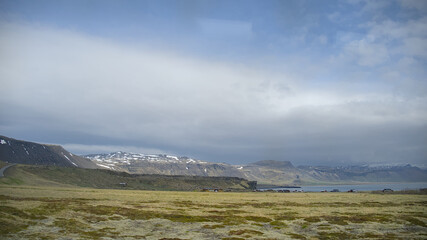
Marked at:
<point>359,187</point>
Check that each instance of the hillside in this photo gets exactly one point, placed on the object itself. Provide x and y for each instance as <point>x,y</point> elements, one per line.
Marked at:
<point>269,172</point>
<point>107,179</point>
<point>406,173</point>
<point>17,151</point>
<point>162,164</point>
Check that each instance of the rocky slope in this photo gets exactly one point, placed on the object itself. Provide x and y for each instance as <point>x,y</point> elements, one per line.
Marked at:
<point>403,173</point>
<point>162,164</point>
<point>17,151</point>
<point>264,172</point>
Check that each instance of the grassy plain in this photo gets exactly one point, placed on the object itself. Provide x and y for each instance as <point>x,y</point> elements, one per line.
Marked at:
<point>34,212</point>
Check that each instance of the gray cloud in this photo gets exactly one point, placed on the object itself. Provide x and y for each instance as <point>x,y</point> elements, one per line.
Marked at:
<point>92,94</point>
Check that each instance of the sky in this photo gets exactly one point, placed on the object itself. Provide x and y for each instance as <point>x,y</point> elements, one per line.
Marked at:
<point>311,82</point>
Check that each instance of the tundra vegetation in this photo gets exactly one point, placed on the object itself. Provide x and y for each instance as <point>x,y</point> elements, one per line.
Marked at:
<point>55,212</point>
<point>67,203</point>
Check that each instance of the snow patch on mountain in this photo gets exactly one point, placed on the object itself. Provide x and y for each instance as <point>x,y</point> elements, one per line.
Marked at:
<point>111,159</point>
<point>69,159</point>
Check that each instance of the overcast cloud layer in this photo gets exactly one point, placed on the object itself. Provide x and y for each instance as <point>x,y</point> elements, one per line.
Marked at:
<point>341,84</point>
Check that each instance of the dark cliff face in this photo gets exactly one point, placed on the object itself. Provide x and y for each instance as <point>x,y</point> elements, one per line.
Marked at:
<point>17,151</point>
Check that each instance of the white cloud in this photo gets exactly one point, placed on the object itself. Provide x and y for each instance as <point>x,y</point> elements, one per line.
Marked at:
<point>323,39</point>
<point>175,103</point>
<point>371,6</point>
<point>368,53</point>
<point>414,4</point>
<point>408,38</point>
<point>385,40</point>
<point>225,28</point>
<point>415,47</point>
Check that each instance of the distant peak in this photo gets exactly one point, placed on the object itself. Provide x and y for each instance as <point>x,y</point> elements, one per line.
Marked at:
<point>121,156</point>
<point>274,164</point>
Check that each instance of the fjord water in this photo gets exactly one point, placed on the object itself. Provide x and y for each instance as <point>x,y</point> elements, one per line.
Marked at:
<point>360,187</point>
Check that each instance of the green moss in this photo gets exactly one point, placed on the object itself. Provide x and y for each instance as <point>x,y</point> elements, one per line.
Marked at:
<point>324,227</point>
<point>50,208</point>
<point>213,226</point>
<point>115,218</point>
<point>172,239</point>
<point>245,231</point>
<point>41,236</point>
<point>338,220</point>
<point>138,214</point>
<point>104,232</point>
<point>184,218</point>
<point>378,204</point>
<point>95,219</point>
<point>296,236</point>
<point>227,212</point>
<point>258,224</point>
<point>228,220</point>
<point>98,210</point>
<point>264,205</point>
<point>312,219</point>
<point>18,213</point>
<point>225,205</point>
<point>331,204</point>
<point>258,219</point>
<point>335,235</point>
<point>7,227</point>
<point>184,203</point>
<point>414,221</point>
<point>380,218</point>
<point>70,225</point>
<point>369,235</point>
<point>278,224</point>
<point>288,216</point>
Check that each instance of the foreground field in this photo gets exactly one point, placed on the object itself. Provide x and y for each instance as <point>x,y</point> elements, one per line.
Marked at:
<point>29,212</point>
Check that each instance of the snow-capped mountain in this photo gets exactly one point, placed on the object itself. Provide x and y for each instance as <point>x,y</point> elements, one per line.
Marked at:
<point>111,160</point>
<point>267,171</point>
<point>162,164</point>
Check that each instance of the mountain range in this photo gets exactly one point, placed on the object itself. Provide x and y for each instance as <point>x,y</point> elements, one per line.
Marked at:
<point>267,172</point>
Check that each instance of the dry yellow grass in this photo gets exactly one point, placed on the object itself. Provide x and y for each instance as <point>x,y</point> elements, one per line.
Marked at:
<point>29,212</point>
